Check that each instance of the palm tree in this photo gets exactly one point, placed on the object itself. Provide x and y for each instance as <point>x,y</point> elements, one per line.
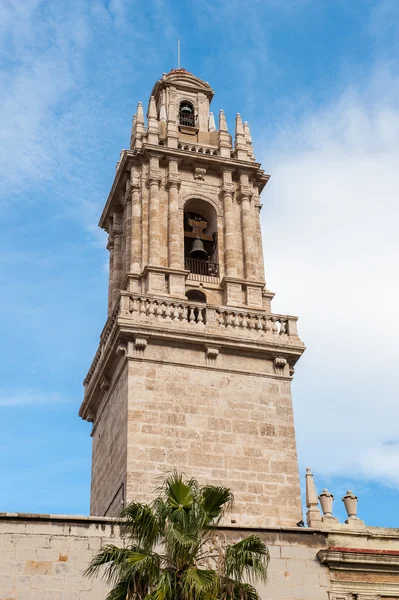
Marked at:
<point>176,552</point>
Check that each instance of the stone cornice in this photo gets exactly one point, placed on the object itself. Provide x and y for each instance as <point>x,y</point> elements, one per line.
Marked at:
<point>360,559</point>
<point>241,337</point>
<point>223,163</point>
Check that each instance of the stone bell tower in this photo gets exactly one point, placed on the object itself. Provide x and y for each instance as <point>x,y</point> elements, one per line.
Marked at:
<point>193,370</point>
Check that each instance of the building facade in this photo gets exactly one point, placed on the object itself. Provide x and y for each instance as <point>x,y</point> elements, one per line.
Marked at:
<point>194,372</point>
<point>194,369</point>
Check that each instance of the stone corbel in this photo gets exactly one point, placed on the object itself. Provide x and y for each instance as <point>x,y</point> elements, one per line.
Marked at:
<point>279,364</point>
<point>154,176</point>
<point>105,383</point>
<point>245,193</point>
<point>199,173</point>
<point>173,180</point>
<point>140,344</point>
<point>121,349</point>
<point>211,354</point>
<point>227,188</point>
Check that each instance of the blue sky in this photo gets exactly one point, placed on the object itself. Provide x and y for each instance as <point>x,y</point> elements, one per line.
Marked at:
<point>318,83</point>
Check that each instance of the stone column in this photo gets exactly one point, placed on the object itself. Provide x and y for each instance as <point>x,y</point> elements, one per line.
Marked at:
<point>135,254</point>
<point>259,258</point>
<point>117,258</point>
<point>175,225</point>
<point>230,256</point>
<point>154,234</point>
<point>110,247</point>
<point>248,225</point>
<point>128,228</point>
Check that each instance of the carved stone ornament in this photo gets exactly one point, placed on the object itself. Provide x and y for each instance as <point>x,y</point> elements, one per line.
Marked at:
<point>279,365</point>
<point>211,354</point>
<point>340,596</point>
<point>140,344</point>
<point>104,383</point>
<point>199,173</point>
<point>122,349</point>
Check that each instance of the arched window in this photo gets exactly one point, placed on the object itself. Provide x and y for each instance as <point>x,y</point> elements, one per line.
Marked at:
<point>200,239</point>
<point>186,114</point>
<point>196,296</point>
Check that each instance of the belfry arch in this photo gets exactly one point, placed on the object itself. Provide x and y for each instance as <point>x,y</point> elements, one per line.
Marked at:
<point>201,254</point>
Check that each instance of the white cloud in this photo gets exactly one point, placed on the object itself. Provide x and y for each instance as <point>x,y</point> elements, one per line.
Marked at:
<point>25,397</point>
<point>332,251</point>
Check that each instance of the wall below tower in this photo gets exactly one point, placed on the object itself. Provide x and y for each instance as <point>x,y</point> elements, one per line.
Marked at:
<point>43,557</point>
<point>109,453</point>
<point>220,426</point>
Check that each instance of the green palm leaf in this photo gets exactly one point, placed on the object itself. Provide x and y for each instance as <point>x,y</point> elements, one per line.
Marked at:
<point>215,501</point>
<point>199,584</point>
<point>237,590</point>
<point>250,556</point>
<point>108,563</point>
<point>140,522</point>
<point>178,493</point>
<point>119,592</point>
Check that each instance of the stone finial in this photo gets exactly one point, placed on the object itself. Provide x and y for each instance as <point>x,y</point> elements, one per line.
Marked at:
<point>248,139</point>
<point>152,109</point>
<point>162,110</point>
<point>222,122</point>
<point>140,114</point>
<point>153,127</point>
<point>313,515</point>
<point>224,137</point>
<point>240,141</point>
<point>239,126</point>
<point>133,134</point>
<point>212,126</point>
<point>350,502</point>
<point>326,501</point>
<point>139,127</point>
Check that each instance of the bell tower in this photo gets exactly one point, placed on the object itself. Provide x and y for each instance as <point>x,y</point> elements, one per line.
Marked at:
<point>193,370</point>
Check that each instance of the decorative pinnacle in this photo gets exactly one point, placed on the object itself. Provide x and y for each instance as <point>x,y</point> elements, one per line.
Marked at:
<point>152,109</point>
<point>222,122</point>
<point>140,113</point>
<point>239,125</point>
<point>212,126</point>
<point>247,132</point>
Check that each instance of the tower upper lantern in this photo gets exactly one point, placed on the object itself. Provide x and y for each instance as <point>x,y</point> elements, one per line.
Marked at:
<point>193,370</point>
<point>180,168</point>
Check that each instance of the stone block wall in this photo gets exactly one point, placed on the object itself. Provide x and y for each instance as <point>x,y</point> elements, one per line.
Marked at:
<point>42,557</point>
<point>110,449</point>
<point>223,427</point>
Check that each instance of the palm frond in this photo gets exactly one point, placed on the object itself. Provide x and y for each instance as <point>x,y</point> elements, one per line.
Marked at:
<point>201,584</point>
<point>120,591</point>
<point>107,563</point>
<point>236,590</point>
<point>178,492</point>
<point>215,500</point>
<point>166,588</point>
<point>140,523</point>
<point>250,556</point>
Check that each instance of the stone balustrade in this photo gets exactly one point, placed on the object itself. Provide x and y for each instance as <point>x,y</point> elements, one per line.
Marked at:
<point>186,312</point>
<point>268,324</point>
<point>142,308</point>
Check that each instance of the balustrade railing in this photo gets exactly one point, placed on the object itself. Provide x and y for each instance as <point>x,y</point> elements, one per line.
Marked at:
<point>260,325</point>
<point>269,324</point>
<point>201,267</point>
<point>172,311</point>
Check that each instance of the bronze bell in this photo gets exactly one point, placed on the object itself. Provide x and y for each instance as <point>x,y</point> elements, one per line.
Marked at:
<point>198,251</point>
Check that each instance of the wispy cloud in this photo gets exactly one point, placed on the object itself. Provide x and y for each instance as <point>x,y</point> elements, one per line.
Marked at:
<point>332,253</point>
<point>30,398</point>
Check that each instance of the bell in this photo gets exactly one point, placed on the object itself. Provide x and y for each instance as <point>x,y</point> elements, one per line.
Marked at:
<point>198,251</point>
